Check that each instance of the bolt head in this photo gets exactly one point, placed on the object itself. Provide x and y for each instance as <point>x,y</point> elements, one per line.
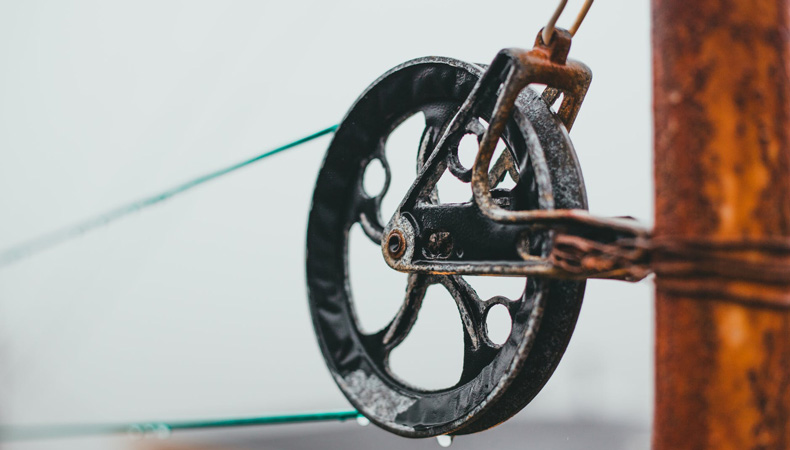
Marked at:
<point>396,244</point>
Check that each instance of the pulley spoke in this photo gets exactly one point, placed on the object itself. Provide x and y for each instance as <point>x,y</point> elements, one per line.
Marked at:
<point>428,141</point>
<point>397,330</point>
<point>368,208</point>
<point>438,118</point>
<point>370,218</point>
<point>469,306</point>
<point>476,128</point>
<point>503,165</point>
<point>476,359</point>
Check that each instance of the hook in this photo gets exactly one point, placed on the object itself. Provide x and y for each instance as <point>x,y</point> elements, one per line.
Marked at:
<point>548,30</point>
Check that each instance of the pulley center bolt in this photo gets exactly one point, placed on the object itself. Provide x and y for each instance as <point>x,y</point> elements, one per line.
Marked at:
<point>396,244</point>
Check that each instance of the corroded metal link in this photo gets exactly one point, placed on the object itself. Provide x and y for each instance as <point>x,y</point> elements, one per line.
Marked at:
<point>624,259</point>
<point>698,268</point>
<point>546,64</point>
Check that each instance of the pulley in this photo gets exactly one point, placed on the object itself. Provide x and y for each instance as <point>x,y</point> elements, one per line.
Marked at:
<point>527,231</point>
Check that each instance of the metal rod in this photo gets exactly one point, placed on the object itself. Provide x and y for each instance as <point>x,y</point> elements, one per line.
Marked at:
<point>722,170</point>
<point>548,30</point>
<point>580,17</point>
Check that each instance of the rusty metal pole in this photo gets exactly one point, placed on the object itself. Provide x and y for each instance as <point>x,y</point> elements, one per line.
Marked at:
<point>722,168</point>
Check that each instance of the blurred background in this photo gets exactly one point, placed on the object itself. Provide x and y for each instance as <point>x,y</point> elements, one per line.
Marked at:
<point>196,308</point>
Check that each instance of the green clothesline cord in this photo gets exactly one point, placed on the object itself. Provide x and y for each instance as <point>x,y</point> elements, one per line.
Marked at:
<point>161,429</point>
<point>41,243</point>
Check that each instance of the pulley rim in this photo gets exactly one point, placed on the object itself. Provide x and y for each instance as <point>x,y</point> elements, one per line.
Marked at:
<point>370,388</point>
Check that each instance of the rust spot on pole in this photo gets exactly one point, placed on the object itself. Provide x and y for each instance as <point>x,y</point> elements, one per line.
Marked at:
<point>722,167</point>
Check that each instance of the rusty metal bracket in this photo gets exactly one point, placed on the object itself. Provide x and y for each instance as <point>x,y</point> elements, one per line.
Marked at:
<point>418,226</point>
<point>577,245</point>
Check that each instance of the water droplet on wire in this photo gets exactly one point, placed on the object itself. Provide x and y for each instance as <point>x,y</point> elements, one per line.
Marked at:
<point>444,441</point>
<point>135,432</point>
<point>162,431</point>
<point>363,421</point>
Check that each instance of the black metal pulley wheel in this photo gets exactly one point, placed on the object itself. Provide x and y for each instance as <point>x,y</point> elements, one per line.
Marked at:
<point>497,380</point>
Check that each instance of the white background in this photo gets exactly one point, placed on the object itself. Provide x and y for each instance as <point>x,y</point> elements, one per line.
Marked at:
<point>197,307</point>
